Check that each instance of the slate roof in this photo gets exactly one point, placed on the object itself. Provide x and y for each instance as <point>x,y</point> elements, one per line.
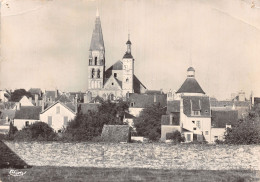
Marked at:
<point>97,42</point>
<point>50,95</point>
<point>128,55</point>
<point>153,92</point>
<point>128,116</point>
<point>63,98</point>
<point>84,108</point>
<point>137,85</point>
<point>117,66</point>
<point>190,85</point>
<point>145,100</point>
<point>221,118</point>
<point>173,106</point>
<point>195,103</point>
<point>71,106</point>
<point>165,120</point>
<point>191,69</point>
<point>215,103</point>
<point>256,101</point>
<point>7,105</point>
<point>28,112</point>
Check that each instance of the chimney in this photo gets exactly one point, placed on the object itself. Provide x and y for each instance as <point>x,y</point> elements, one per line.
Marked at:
<point>76,103</point>
<point>36,99</point>
<point>56,93</point>
<point>43,104</point>
<point>171,118</point>
<point>154,98</point>
<point>18,106</point>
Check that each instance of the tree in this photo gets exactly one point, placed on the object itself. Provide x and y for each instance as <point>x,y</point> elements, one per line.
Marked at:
<point>247,131</point>
<point>175,136</point>
<point>148,124</point>
<point>85,127</point>
<point>38,131</point>
<point>18,94</point>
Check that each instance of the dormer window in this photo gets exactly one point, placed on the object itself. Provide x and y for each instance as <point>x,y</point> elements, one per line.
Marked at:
<point>195,113</point>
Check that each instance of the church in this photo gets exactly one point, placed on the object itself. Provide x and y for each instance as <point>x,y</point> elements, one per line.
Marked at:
<point>115,82</point>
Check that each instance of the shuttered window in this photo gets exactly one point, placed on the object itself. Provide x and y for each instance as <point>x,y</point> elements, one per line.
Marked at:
<point>65,120</point>
<point>50,120</point>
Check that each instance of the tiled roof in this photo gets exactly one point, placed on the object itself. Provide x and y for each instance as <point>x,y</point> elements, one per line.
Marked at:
<point>7,113</point>
<point>145,100</point>
<point>84,108</point>
<point>97,99</point>
<point>193,103</point>
<point>28,112</point>
<point>97,42</point>
<point>173,106</point>
<point>221,118</point>
<point>190,85</point>
<point>70,106</point>
<point>128,55</point>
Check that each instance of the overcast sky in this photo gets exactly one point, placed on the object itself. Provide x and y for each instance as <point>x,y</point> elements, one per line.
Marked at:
<point>45,43</point>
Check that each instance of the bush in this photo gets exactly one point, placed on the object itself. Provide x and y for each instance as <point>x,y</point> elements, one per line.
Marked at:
<point>175,136</point>
<point>39,131</point>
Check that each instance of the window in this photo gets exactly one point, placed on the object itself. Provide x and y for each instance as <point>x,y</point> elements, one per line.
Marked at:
<point>58,110</point>
<point>26,123</point>
<point>132,104</point>
<point>193,122</point>
<point>127,80</point>
<point>188,137</point>
<point>98,73</point>
<point>196,113</point>
<point>92,73</point>
<point>95,60</point>
<point>206,111</point>
<point>115,75</point>
<point>65,120</point>
<point>215,137</point>
<point>194,128</point>
<point>206,132</point>
<point>198,124</point>
<point>112,83</point>
<point>50,120</point>
<point>59,131</point>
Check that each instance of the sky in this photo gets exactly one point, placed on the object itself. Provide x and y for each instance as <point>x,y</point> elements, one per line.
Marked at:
<point>45,43</point>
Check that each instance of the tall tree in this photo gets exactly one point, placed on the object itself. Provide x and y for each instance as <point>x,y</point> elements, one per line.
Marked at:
<point>18,94</point>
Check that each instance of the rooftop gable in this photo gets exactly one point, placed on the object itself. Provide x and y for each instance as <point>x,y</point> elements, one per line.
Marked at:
<point>190,85</point>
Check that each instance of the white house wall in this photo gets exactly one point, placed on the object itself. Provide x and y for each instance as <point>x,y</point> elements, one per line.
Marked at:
<point>20,123</point>
<point>218,133</point>
<point>135,111</point>
<point>57,119</point>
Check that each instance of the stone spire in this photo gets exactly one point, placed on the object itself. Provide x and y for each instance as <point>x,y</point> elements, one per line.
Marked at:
<point>97,42</point>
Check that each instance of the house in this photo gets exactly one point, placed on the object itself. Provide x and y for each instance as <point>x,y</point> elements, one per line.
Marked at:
<point>188,111</point>
<point>24,101</point>
<point>140,101</point>
<point>26,115</point>
<point>58,115</point>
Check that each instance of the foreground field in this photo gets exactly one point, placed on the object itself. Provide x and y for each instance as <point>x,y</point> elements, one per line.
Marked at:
<point>152,156</point>
<point>75,174</point>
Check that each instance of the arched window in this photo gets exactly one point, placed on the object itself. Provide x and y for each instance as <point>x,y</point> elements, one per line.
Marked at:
<point>95,60</point>
<point>98,73</point>
<point>127,80</point>
<point>92,73</point>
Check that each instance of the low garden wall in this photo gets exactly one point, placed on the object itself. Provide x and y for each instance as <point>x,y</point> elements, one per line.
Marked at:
<point>150,155</point>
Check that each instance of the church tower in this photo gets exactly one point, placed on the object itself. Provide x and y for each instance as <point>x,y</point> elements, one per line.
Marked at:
<point>96,66</point>
<point>128,70</point>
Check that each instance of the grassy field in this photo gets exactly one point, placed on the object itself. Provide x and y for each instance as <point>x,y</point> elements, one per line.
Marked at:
<point>61,174</point>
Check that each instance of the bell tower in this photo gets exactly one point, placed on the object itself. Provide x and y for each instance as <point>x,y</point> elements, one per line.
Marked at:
<point>128,70</point>
<point>96,66</point>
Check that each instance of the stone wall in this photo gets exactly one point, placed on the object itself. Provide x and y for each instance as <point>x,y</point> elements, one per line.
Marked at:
<point>163,156</point>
